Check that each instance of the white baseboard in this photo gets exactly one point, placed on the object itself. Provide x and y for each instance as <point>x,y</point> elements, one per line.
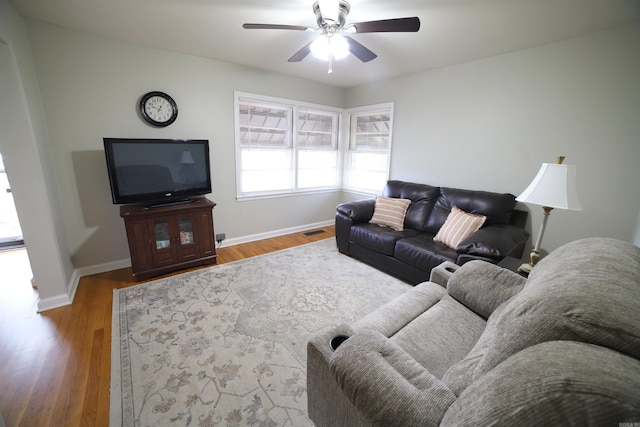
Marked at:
<point>274,233</point>
<point>53,302</point>
<point>62,299</point>
<point>102,268</point>
<point>124,263</point>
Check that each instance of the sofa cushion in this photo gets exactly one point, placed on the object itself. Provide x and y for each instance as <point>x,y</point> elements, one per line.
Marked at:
<point>553,384</point>
<point>441,336</point>
<point>423,197</point>
<point>495,206</point>
<point>422,252</point>
<point>585,291</point>
<point>397,313</point>
<point>390,212</point>
<point>378,238</point>
<point>458,226</point>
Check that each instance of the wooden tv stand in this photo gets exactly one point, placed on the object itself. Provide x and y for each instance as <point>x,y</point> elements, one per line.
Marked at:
<point>168,238</point>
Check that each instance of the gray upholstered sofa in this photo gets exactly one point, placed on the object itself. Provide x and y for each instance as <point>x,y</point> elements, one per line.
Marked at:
<point>492,348</point>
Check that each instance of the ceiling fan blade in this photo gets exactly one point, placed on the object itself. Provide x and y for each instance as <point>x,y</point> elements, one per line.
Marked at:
<point>301,54</point>
<point>359,51</point>
<point>275,27</point>
<point>398,25</point>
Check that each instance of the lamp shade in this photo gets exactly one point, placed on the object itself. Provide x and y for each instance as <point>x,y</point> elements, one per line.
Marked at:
<point>554,186</point>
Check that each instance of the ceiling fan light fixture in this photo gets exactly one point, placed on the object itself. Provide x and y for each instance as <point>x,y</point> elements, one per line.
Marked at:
<point>330,45</point>
<point>329,9</point>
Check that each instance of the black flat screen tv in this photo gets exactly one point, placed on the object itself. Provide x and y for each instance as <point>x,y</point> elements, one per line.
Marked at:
<point>157,171</point>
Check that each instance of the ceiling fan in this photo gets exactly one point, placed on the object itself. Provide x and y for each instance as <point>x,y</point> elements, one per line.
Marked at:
<point>333,42</point>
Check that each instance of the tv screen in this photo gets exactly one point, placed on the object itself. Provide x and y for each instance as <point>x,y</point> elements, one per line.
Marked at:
<point>156,171</point>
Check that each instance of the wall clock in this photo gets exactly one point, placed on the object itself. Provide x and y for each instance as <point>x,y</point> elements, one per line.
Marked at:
<point>158,109</point>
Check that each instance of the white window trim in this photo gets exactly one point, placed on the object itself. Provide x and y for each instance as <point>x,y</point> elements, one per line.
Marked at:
<point>342,135</point>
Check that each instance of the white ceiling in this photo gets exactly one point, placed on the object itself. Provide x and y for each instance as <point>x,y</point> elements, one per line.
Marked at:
<point>452,31</point>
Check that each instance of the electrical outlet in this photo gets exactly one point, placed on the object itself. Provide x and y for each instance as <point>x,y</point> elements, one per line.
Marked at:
<point>220,237</point>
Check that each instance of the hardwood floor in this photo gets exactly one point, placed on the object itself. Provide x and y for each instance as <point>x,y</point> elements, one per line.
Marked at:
<point>55,366</point>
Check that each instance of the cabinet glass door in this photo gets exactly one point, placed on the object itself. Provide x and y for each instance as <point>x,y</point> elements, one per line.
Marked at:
<point>186,231</point>
<point>161,234</point>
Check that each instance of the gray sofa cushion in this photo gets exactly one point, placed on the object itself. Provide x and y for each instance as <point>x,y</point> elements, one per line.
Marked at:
<point>397,313</point>
<point>551,384</point>
<point>369,368</point>
<point>435,329</point>
<point>580,294</point>
<point>482,286</point>
<point>441,336</point>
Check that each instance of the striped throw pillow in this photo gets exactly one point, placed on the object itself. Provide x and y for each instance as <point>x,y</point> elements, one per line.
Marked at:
<point>390,212</point>
<point>458,226</point>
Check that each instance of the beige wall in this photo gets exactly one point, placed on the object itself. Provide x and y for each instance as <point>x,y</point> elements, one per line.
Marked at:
<point>490,124</point>
<point>90,88</point>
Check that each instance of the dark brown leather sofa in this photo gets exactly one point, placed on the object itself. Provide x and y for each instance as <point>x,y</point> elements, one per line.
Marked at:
<point>410,254</point>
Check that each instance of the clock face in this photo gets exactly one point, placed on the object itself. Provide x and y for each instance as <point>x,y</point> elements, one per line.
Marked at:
<point>158,108</point>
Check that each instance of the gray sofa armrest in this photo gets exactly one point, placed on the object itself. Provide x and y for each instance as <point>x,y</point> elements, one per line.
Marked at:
<point>482,286</point>
<point>357,211</point>
<point>326,404</point>
<point>371,368</point>
<point>442,273</point>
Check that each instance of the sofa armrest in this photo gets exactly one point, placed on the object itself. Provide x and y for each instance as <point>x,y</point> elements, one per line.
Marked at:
<point>326,404</point>
<point>482,287</point>
<point>386,385</point>
<point>357,211</point>
<point>495,241</point>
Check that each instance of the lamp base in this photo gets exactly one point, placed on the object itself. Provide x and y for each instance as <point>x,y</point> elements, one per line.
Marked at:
<point>525,268</point>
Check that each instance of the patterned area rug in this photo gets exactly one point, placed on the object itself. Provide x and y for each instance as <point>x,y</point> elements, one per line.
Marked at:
<point>226,345</point>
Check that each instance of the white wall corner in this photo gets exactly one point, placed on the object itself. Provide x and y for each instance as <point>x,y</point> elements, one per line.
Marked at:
<point>62,299</point>
<point>54,302</point>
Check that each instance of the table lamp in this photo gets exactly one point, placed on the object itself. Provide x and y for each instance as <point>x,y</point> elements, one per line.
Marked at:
<point>553,187</point>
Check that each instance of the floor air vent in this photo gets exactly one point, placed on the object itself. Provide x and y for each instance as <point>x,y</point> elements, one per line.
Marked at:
<point>313,233</point>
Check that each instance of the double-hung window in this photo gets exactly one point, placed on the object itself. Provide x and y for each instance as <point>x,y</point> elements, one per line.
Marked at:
<point>285,147</point>
<point>369,153</point>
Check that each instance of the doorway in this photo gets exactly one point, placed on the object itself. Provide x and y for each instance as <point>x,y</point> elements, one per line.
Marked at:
<point>10,231</point>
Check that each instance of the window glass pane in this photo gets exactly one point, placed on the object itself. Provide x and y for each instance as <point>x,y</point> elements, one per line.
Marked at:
<point>264,170</point>
<point>368,171</point>
<point>317,130</point>
<point>264,126</point>
<point>161,233</point>
<point>370,132</point>
<point>317,169</point>
<point>186,231</point>
<point>369,150</point>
